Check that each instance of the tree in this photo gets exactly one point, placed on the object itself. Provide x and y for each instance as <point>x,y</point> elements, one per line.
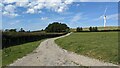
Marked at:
<point>57,27</point>
<point>6,30</point>
<point>11,30</point>
<point>42,30</point>
<point>79,29</point>
<point>91,29</point>
<point>28,31</point>
<point>21,30</point>
<point>96,29</point>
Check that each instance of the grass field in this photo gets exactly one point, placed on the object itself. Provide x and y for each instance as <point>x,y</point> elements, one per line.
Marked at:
<point>13,53</point>
<point>99,45</point>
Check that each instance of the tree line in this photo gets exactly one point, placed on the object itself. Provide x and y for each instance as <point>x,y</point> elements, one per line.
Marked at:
<point>12,37</point>
<point>91,29</point>
<point>16,38</point>
<point>54,27</point>
<point>15,30</point>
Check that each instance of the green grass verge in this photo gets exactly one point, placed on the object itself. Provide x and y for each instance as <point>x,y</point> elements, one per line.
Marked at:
<point>0,58</point>
<point>9,55</point>
<point>99,45</point>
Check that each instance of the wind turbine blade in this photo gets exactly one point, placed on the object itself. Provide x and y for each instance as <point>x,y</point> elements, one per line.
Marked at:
<point>105,11</point>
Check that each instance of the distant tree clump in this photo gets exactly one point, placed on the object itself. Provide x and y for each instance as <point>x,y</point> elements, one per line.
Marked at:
<point>10,30</point>
<point>57,27</point>
<point>90,29</point>
<point>22,30</point>
<point>79,29</point>
<point>93,29</point>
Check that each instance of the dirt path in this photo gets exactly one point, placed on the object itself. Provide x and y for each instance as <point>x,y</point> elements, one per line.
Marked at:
<point>49,54</point>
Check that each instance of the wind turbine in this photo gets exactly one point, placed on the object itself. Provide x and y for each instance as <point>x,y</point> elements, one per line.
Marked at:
<point>105,17</point>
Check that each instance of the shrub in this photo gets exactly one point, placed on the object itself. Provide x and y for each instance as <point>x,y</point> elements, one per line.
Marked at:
<point>79,29</point>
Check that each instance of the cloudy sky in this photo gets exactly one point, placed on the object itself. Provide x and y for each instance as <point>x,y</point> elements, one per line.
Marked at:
<point>37,14</point>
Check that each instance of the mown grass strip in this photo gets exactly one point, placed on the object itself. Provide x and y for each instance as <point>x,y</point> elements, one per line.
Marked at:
<point>11,54</point>
<point>99,45</point>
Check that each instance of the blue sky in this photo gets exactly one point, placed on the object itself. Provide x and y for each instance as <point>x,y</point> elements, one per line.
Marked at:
<point>74,14</point>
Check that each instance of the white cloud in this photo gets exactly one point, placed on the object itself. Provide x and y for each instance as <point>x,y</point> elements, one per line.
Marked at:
<point>22,0</point>
<point>97,0</point>
<point>68,1</point>
<point>32,4</point>
<point>77,17</point>
<point>39,11</point>
<point>9,14</point>
<point>78,5</point>
<point>1,5</point>
<point>14,15</point>
<point>113,17</point>
<point>5,13</point>
<point>44,18</point>
<point>9,1</point>
<point>30,11</point>
<point>61,9</point>
<point>39,6</point>
<point>21,4</point>
<point>56,6</point>
<point>35,6</point>
<point>9,10</point>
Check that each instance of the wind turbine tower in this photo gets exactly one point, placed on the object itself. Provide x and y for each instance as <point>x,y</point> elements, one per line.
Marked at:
<point>105,18</point>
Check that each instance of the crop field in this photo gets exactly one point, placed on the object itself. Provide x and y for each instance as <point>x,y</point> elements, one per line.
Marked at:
<point>99,45</point>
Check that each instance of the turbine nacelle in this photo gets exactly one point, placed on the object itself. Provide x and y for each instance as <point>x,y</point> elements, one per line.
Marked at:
<point>105,16</point>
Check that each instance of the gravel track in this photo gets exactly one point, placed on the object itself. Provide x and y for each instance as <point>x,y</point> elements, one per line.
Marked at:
<point>49,54</point>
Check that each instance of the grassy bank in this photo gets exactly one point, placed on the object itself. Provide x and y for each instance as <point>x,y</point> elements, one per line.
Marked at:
<point>11,54</point>
<point>99,45</point>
